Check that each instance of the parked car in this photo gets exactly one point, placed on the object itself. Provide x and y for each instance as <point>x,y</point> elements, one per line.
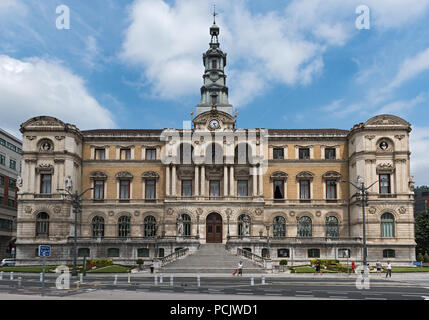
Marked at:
<point>7,262</point>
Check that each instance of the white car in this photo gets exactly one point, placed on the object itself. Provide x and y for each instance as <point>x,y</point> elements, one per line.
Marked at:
<point>7,262</point>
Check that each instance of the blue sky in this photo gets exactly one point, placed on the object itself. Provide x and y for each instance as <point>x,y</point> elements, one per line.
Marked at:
<point>291,64</point>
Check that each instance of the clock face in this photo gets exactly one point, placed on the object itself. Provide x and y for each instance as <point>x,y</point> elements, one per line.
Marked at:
<point>214,124</point>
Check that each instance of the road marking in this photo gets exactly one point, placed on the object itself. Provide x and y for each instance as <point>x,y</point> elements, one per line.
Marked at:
<point>425,297</point>
<point>338,297</point>
<point>304,295</point>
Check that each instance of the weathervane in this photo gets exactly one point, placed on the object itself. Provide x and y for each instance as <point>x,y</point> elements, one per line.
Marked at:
<point>214,13</point>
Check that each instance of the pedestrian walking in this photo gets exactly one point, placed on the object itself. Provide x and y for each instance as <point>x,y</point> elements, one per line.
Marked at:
<point>240,268</point>
<point>389,269</point>
<point>317,267</point>
<point>353,267</point>
<point>378,266</point>
<point>151,266</point>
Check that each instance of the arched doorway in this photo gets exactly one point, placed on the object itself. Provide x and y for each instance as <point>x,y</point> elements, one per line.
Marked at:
<point>214,228</point>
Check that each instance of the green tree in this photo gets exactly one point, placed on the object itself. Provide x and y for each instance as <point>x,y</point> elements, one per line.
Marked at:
<point>420,257</point>
<point>422,232</point>
<point>419,190</point>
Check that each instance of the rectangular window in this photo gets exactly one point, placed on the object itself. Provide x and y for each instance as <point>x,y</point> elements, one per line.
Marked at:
<point>100,154</point>
<point>12,183</point>
<point>278,154</point>
<point>2,142</point>
<point>150,189</point>
<point>150,154</point>
<point>214,188</point>
<point>12,164</point>
<point>1,181</point>
<point>278,189</point>
<point>283,253</point>
<point>384,182</point>
<point>304,188</point>
<point>124,189</point>
<point>125,154</point>
<point>330,154</point>
<point>186,188</point>
<point>343,253</point>
<point>313,253</point>
<point>45,183</point>
<point>242,190</point>
<point>10,202</point>
<point>331,189</point>
<point>98,189</point>
<point>304,153</point>
<point>2,159</point>
<point>113,253</point>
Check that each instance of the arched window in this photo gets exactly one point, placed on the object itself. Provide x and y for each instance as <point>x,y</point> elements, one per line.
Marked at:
<point>42,225</point>
<point>124,226</point>
<point>304,227</point>
<point>150,226</point>
<point>242,153</point>
<point>98,226</point>
<point>244,225</point>
<point>279,227</point>
<point>387,225</point>
<point>214,154</point>
<point>185,153</point>
<point>186,224</point>
<point>332,229</point>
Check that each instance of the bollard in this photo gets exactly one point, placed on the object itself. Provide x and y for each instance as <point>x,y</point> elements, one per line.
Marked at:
<point>198,281</point>
<point>1,275</point>
<point>41,276</point>
<point>81,278</point>
<point>252,281</point>
<point>263,279</point>
<point>171,280</point>
<point>156,280</point>
<point>115,282</point>
<point>129,277</point>
<point>11,275</point>
<point>160,278</point>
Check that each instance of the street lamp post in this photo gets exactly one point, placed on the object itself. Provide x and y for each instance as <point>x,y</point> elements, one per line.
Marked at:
<point>363,197</point>
<point>76,199</point>
<point>268,240</point>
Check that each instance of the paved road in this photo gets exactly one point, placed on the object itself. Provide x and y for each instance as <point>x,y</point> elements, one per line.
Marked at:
<point>185,287</point>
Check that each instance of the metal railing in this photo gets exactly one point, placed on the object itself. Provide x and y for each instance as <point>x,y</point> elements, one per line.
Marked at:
<point>251,256</point>
<point>174,256</point>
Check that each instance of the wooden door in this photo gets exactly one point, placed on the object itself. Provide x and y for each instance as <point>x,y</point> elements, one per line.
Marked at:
<point>214,228</point>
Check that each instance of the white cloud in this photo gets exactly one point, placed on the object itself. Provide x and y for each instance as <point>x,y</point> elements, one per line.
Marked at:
<point>419,145</point>
<point>401,107</point>
<point>35,87</point>
<point>12,6</point>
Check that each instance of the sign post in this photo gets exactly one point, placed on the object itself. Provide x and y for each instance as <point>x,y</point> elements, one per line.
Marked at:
<point>44,251</point>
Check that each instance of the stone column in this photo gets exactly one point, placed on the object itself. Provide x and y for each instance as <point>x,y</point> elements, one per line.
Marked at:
<point>203,181</point>
<point>173,181</point>
<point>167,180</point>
<point>255,181</point>
<point>225,181</point>
<point>231,181</point>
<point>261,182</point>
<point>196,182</point>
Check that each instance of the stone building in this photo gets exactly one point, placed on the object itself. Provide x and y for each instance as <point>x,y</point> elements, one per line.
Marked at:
<point>279,193</point>
<point>10,166</point>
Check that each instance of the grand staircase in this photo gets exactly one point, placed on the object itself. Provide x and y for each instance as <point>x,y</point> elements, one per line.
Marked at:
<point>211,258</point>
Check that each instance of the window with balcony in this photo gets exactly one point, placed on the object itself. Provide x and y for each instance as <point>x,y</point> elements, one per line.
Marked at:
<point>384,183</point>
<point>186,188</point>
<point>330,154</point>
<point>45,183</point>
<point>151,154</point>
<point>242,188</point>
<point>304,153</point>
<point>278,154</point>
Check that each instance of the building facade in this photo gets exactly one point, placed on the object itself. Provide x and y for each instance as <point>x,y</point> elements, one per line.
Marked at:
<point>10,166</point>
<point>279,193</point>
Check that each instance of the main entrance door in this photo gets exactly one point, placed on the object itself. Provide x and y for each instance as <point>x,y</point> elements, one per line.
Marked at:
<point>214,228</point>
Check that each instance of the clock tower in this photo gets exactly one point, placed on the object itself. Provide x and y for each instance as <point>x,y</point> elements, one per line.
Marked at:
<point>214,92</point>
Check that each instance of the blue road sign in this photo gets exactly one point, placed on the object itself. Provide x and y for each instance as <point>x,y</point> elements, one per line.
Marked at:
<point>417,263</point>
<point>44,251</point>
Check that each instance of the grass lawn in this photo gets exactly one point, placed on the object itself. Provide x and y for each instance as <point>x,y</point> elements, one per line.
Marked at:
<point>112,269</point>
<point>409,269</point>
<point>34,269</point>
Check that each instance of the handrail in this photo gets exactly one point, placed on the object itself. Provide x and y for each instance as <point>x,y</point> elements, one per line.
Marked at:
<point>251,256</point>
<point>174,256</point>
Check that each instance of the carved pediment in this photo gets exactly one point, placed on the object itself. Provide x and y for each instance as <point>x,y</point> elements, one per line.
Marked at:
<point>124,175</point>
<point>45,168</point>
<point>214,172</point>
<point>150,175</point>
<point>386,120</point>
<point>331,175</point>
<point>185,172</point>
<point>305,175</point>
<point>241,173</point>
<point>278,175</point>
<point>385,168</point>
<point>98,175</point>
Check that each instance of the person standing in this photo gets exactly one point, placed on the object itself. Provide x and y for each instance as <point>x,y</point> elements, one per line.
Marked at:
<point>151,267</point>
<point>317,267</point>
<point>378,266</point>
<point>240,268</point>
<point>353,267</point>
<point>389,269</point>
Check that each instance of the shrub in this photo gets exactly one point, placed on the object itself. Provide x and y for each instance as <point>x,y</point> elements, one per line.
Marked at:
<point>100,263</point>
<point>420,257</point>
<point>139,261</point>
<point>283,262</point>
<point>325,262</point>
<point>426,257</point>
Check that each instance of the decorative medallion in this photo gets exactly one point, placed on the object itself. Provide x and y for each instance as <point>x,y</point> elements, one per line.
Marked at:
<point>402,210</point>
<point>291,213</point>
<point>136,213</point>
<point>57,209</point>
<point>170,211</point>
<point>28,209</point>
<point>318,213</point>
<point>372,210</point>
<point>111,213</point>
<point>258,211</point>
